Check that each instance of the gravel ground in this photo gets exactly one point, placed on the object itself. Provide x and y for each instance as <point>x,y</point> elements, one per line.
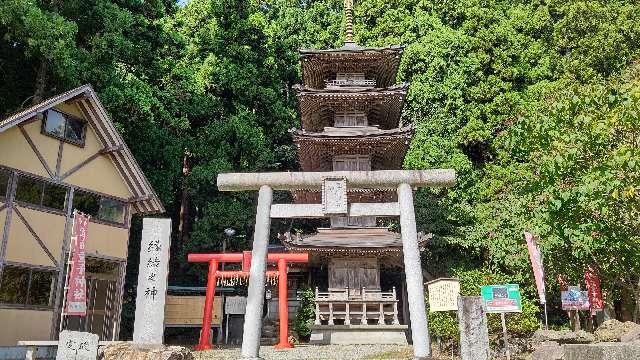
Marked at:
<point>324,352</point>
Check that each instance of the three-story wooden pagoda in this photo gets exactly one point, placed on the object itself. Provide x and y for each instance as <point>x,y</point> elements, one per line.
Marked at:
<point>351,109</point>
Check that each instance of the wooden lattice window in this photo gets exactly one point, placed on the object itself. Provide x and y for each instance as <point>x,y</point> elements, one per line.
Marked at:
<point>26,286</point>
<point>350,119</point>
<point>64,127</point>
<point>99,207</point>
<point>41,193</point>
<point>5,177</point>
<point>352,163</point>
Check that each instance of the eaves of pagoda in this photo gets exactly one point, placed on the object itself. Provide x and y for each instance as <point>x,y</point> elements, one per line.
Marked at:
<point>377,63</point>
<point>326,243</point>
<point>386,148</point>
<point>382,106</point>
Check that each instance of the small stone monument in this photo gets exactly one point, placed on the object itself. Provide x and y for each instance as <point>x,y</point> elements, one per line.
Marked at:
<point>76,345</point>
<point>148,328</point>
<point>472,323</point>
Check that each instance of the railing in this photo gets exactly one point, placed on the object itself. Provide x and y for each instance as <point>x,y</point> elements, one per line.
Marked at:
<point>356,307</point>
<point>350,82</point>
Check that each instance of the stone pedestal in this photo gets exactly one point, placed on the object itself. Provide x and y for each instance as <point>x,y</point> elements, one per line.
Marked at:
<point>474,334</point>
<point>358,334</point>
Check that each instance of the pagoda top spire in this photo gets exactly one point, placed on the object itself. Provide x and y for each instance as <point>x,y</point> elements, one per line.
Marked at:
<point>348,15</point>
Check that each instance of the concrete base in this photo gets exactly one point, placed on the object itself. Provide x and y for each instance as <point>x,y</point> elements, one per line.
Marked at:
<point>358,334</point>
<point>608,351</point>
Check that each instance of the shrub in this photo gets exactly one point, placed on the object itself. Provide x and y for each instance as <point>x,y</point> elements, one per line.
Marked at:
<point>306,314</point>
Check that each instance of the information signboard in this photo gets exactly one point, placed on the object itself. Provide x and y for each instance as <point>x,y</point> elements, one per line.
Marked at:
<point>443,294</point>
<point>501,298</point>
<point>574,299</point>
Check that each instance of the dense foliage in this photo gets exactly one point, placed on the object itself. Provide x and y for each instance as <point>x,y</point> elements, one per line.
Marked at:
<point>306,314</point>
<point>534,104</point>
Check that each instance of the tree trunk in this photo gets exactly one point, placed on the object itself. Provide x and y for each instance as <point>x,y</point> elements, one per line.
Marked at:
<point>636,312</point>
<point>41,82</point>
<point>184,228</point>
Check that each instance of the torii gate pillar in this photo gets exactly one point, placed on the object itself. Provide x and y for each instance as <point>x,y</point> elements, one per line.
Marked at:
<point>255,299</point>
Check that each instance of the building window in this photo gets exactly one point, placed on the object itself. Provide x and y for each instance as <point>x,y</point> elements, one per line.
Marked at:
<point>352,163</point>
<point>5,177</point>
<point>26,286</point>
<point>99,207</point>
<point>41,193</point>
<point>350,119</point>
<point>64,126</point>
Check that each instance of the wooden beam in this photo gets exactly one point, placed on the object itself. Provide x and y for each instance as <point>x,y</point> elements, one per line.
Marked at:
<point>80,165</point>
<point>111,149</point>
<point>35,150</point>
<point>4,237</point>
<point>62,263</point>
<point>285,211</point>
<point>35,236</point>
<point>59,159</point>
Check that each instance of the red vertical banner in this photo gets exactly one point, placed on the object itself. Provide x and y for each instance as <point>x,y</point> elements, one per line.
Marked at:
<point>593,289</point>
<point>76,297</point>
<point>536,264</point>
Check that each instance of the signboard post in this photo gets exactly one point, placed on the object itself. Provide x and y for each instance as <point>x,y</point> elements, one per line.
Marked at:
<point>443,294</point>
<point>502,299</point>
<point>148,325</point>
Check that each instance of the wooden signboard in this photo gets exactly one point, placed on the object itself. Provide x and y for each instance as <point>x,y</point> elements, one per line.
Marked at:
<point>187,310</point>
<point>443,294</point>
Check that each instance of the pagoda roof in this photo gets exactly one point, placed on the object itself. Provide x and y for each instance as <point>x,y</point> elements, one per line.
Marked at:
<point>383,106</point>
<point>378,63</point>
<point>378,242</point>
<point>386,148</point>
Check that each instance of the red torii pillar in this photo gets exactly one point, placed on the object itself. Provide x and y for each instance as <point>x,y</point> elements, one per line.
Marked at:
<point>245,258</point>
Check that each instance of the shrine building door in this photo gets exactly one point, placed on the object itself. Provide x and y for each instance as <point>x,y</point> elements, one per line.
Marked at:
<point>354,274</point>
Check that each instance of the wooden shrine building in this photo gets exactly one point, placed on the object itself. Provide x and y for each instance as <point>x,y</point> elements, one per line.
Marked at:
<point>64,154</point>
<point>351,112</point>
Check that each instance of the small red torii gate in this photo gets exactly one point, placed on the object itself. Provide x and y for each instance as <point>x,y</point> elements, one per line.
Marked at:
<point>245,258</point>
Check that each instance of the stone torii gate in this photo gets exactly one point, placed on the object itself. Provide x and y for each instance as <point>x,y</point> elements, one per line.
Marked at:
<point>334,186</point>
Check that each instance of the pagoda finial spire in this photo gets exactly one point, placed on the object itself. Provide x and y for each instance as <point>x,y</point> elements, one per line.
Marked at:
<point>348,14</point>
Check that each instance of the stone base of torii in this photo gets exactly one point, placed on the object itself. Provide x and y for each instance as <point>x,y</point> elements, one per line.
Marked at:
<point>334,186</point>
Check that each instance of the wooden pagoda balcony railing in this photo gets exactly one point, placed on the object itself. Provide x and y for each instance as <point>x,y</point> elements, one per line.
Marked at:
<point>349,82</point>
<point>357,308</point>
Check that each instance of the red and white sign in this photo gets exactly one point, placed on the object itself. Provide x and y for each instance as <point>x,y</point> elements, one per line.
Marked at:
<point>536,264</point>
<point>593,289</point>
<point>76,300</point>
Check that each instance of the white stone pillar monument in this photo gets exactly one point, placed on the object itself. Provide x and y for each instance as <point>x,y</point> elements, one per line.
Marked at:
<point>148,328</point>
<point>413,273</point>
<point>255,299</point>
